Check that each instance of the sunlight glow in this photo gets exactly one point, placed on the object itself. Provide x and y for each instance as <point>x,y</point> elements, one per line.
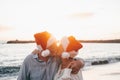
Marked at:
<point>86,19</point>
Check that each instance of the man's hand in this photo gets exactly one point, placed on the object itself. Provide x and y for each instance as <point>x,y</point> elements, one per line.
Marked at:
<point>76,65</point>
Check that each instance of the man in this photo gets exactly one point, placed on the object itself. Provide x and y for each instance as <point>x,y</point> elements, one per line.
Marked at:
<point>42,64</point>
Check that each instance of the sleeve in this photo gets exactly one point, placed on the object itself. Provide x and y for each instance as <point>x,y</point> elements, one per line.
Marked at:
<point>78,76</point>
<point>23,73</point>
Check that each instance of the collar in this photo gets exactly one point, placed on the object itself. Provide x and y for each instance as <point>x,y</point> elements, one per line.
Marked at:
<point>35,56</point>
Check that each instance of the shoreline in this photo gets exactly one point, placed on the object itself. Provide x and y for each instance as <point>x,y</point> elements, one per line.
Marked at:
<point>83,41</point>
<point>96,72</point>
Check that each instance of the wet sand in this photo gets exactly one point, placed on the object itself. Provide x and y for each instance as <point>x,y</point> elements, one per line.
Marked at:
<point>102,72</point>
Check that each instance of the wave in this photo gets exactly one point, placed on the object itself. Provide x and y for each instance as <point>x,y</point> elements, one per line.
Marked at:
<point>8,70</point>
<point>100,61</point>
<point>13,70</point>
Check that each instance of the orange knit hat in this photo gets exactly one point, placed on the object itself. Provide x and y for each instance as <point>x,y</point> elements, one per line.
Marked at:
<point>70,44</point>
<point>73,44</point>
<point>44,40</point>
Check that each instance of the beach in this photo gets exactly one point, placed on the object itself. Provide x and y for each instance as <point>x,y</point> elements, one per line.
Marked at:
<point>102,72</point>
<point>102,61</point>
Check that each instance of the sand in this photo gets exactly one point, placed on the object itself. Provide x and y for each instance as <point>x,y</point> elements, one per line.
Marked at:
<point>102,72</point>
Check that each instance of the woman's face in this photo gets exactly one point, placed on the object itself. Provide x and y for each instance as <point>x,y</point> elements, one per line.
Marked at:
<point>73,53</point>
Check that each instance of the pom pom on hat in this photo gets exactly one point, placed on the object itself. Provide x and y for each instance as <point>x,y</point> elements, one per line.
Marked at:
<point>43,41</point>
<point>45,53</point>
<point>65,55</point>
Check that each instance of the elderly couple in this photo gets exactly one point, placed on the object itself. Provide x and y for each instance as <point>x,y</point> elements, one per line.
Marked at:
<point>52,62</point>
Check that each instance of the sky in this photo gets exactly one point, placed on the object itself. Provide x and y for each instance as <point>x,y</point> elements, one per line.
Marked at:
<point>84,19</point>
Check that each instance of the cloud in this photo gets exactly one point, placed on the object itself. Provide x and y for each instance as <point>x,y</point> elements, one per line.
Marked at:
<point>82,15</point>
<point>112,35</point>
<point>5,28</point>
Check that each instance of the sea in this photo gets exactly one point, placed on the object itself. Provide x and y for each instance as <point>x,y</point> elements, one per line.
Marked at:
<point>12,56</point>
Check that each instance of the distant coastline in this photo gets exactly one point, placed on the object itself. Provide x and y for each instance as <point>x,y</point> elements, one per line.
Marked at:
<point>101,41</point>
<point>83,41</point>
<point>20,41</point>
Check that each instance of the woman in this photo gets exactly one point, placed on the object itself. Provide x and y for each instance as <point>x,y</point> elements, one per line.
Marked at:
<point>68,49</point>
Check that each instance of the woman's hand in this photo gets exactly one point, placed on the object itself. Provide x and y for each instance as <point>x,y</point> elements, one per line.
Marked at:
<point>76,65</point>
